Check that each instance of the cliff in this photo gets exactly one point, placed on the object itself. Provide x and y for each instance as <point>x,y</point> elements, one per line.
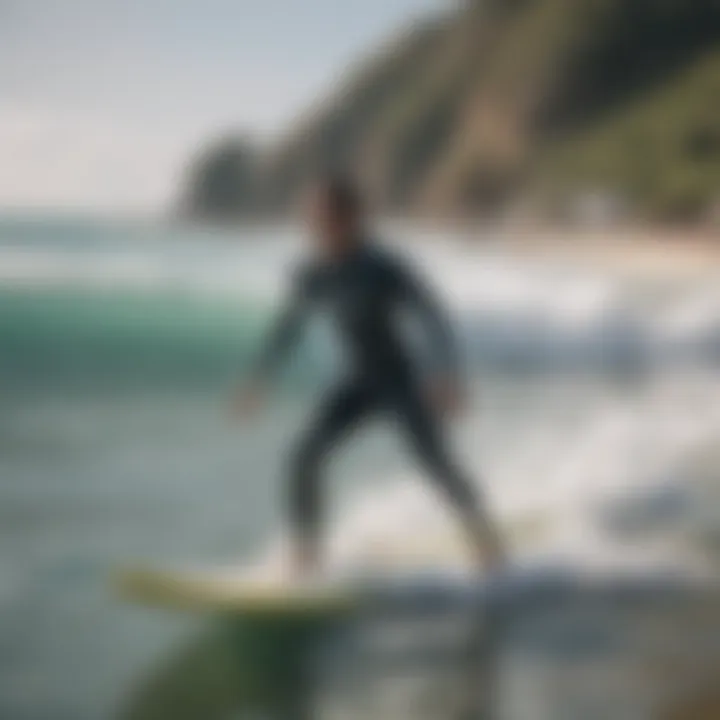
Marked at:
<point>503,102</point>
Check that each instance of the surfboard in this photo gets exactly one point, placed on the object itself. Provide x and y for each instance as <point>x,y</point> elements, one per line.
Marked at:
<point>228,591</point>
<point>411,567</point>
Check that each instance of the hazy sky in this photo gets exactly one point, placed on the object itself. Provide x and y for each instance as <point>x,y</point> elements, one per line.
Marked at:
<point>103,101</point>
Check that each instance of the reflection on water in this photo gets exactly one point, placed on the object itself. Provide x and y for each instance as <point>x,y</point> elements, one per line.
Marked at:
<point>629,650</point>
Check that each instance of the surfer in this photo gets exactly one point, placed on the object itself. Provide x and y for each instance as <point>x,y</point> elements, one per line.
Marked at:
<point>365,288</point>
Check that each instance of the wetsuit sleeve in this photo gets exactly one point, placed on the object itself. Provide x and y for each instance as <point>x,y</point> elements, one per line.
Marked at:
<point>422,300</point>
<point>286,329</point>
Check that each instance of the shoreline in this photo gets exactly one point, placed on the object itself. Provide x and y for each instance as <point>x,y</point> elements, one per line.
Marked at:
<point>638,251</point>
<point>649,253</point>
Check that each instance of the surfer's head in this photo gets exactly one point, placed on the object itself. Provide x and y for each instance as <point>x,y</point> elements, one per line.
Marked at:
<point>335,214</point>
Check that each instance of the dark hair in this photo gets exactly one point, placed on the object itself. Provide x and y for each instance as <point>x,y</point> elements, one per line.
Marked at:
<point>343,193</point>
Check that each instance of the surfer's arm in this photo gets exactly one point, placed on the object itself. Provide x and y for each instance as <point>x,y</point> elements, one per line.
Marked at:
<point>445,385</point>
<point>424,304</point>
<point>285,332</point>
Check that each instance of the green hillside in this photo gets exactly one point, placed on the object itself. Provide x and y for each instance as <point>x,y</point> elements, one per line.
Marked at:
<point>504,99</point>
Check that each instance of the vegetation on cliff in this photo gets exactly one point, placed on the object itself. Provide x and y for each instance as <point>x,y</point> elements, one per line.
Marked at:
<point>504,100</point>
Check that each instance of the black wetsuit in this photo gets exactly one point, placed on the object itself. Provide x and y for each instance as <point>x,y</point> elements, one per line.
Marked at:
<point>367,293</point>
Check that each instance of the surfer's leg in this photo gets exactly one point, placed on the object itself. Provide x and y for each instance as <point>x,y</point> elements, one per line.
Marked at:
<point>336,417</point>
<point>429,444</point>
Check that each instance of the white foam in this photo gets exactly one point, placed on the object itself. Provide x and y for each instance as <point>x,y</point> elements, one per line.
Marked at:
<point>556,480</point>
<point>540,313</point>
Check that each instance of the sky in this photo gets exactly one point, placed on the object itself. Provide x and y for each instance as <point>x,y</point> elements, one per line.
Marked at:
<point>104,102</point>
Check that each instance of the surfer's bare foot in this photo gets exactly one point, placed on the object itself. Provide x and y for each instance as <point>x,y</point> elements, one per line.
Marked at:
<point>493,558</point>
<point>305,559</point>
<point>490,553</point>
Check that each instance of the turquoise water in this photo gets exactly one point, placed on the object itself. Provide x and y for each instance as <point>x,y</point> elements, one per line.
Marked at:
<point>121,342</point>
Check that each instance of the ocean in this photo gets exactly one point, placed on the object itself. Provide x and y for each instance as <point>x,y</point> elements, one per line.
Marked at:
<point>594,414</point>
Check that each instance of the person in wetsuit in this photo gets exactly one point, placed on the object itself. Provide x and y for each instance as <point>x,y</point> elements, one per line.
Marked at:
<point>367,290</point>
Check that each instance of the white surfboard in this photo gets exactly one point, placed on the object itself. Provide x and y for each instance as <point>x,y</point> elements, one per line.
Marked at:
<point>441,561</point>
<point>228,590</point>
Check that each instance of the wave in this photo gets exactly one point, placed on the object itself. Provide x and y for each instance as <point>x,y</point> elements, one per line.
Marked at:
<point>634,484</point>
<point>513,313</point>
<point>540,315</point>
